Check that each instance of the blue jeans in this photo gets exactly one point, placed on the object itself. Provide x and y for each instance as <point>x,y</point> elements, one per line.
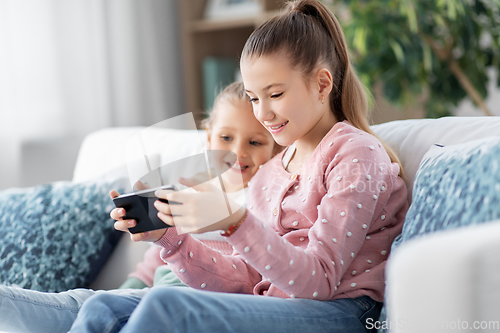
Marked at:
<point>178,309</point>
<point>23,310</point>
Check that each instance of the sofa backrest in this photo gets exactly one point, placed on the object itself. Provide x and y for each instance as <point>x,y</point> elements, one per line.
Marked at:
<point>412,139</point>
<point>102,152</point>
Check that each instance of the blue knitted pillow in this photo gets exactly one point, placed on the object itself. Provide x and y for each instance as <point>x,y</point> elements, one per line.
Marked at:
<point>455,186</point>
<point>57,236</point>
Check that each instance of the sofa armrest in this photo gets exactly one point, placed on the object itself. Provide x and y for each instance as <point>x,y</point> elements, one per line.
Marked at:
<point>446,281</point>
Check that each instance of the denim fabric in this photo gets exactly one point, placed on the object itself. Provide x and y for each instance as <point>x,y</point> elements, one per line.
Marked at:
<point>178,309</point>
<point>23,310</point>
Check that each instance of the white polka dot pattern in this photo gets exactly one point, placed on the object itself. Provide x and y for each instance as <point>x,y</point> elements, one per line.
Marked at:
<point>302,220</point>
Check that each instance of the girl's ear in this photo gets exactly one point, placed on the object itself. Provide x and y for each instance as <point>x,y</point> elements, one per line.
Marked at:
<point>324,81</point>
<point>209,142</point>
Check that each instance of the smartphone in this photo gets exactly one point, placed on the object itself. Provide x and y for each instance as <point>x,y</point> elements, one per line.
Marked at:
<point>139,206</point>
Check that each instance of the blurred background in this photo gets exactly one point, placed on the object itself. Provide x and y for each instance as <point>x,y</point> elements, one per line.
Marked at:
<point>71,67</point>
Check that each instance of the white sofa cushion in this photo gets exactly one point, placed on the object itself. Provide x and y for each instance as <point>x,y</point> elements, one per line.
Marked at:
<point>103,153</point>
<point>446,279</point>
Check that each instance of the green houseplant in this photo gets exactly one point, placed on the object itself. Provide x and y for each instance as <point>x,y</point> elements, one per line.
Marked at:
<point>440,48</point>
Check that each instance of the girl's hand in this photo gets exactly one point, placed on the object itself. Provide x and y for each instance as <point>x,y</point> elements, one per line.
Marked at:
<point>203,211</point>
<point>123,225</point>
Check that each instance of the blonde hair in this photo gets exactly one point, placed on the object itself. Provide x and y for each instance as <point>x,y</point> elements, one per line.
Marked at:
<point>322,41</point>
<point>233,93</point>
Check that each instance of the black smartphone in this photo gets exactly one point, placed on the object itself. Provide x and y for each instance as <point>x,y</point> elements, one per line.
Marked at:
<point>139,206</point>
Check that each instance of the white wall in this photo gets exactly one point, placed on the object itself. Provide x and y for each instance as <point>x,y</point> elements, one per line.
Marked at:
<point>68,68</point>
<point>48,160</point>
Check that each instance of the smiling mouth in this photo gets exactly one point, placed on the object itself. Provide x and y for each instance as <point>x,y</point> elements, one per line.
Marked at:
<point>236,166</point>
<point>277,127</point>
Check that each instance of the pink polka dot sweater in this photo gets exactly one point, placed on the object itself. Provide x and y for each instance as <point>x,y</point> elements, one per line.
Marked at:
<point>322,234</point>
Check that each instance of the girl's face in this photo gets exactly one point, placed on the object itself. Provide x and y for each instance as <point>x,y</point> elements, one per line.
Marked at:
<point>236,130</point>
<point>289,107</point>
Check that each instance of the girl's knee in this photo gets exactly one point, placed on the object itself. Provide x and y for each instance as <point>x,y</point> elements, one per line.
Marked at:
<point>97,300</point>
<point>110,301</point>
<point>180,298</point>
<point>165,293</point>
<point>109,306</point>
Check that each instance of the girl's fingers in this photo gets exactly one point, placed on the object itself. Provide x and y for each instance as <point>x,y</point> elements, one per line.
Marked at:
<point>163,207</point>
<point>174,209</point>
<point>199,182</point>
<point>123,225</point>
<point>178,198</point>
<point>117,213</point>
<point>141,186</point>
<point>140,237</point>
<point>149,236</point>
<point>195,180</point>
<point>181,202</point>
<point>193,212</point>
<point>167,219</point>
<point>113,194</point>
<point>165,194</point>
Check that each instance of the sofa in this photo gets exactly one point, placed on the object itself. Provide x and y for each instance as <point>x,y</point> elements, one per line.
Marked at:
<point>440,274</point>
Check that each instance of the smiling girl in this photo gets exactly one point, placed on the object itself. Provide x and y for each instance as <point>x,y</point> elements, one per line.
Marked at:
<point>231,128</point>
<point>312,246</point>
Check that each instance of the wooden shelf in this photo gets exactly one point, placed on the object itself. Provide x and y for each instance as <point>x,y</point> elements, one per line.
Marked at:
<point>214,25</point>
<point>201,38</point>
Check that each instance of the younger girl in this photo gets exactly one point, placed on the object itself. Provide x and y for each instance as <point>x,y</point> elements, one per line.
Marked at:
<point>310,251</point>
<point>231,126</point>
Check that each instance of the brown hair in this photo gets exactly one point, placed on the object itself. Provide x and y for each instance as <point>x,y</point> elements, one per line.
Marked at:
<point>235,92</point>
<point>309,34</point>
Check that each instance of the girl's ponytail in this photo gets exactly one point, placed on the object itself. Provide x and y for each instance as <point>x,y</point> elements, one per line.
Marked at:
<point>322,42</point>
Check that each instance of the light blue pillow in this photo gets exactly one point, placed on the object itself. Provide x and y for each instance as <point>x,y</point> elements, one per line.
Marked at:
<point>455,186</point>
<point>57,236</point>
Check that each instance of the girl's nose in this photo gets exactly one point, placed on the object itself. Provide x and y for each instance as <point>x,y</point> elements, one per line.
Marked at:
<point>263,112</point>
<point>241,150</point>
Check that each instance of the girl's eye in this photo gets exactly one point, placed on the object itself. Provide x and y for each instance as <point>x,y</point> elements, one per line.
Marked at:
<point>255,143</point>
<point>253,100</point>
<point>276,95</point>
<point>225,138</point>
